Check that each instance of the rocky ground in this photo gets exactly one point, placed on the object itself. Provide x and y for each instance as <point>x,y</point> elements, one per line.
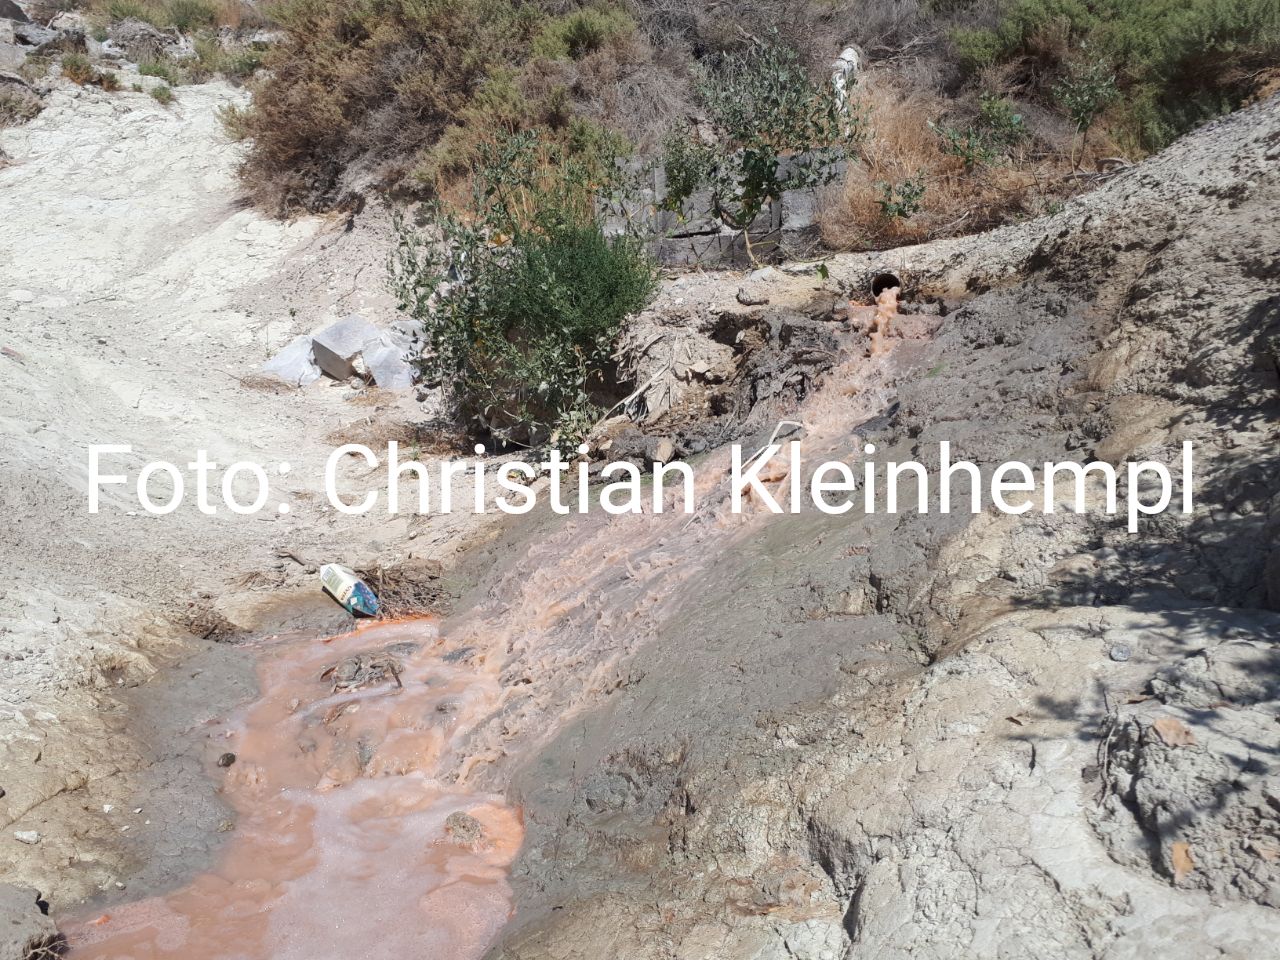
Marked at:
<point>758,737</point>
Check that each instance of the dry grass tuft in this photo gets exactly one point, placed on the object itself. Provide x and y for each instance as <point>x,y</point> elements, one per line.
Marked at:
<point>422,439</point>
<point>902,148</point>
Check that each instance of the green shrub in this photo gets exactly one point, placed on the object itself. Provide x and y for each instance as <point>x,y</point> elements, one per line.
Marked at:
<point>380,81</point>
<point>80,70</point>
<point>212,58</point>
<point>1084,95</point>
<point>1002,125</point>
<point>902,200</point>
<point>978,48</point>
<point>77,68</point>
<point>971,145</point>
<point>166,70</point>
<point>162,94</point>
<point>582,32</point>
<point>687,164</point>
<point>1177,62</point>
<point>117,10</point>
<point>521,337</point>
<point>189,15</point>
<point>777,129</point>
<point>241,64</point>
<point>498,104</point>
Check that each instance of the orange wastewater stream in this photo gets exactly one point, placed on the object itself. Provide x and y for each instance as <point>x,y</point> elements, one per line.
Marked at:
<point>344,843</point>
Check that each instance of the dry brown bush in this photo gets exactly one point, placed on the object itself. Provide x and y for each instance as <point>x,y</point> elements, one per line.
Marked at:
<point>402,94</point>
<point>902,146</point>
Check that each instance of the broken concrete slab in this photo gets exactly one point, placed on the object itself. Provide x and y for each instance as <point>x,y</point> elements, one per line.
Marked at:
<point>336,347</point>
<point>294,364</point>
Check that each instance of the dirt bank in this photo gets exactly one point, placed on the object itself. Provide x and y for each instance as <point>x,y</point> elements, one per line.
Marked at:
<point>138,298</point>
<point>760,737</point>
<point>938,735</point>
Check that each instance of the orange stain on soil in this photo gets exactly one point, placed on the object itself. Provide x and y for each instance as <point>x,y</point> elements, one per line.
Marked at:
<point>340,847</point>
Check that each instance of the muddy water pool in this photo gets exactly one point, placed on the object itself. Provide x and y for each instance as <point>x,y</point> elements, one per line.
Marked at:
<point>344,843</point>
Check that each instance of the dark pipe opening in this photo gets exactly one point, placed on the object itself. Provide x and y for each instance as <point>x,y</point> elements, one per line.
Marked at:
<point>883,282</point>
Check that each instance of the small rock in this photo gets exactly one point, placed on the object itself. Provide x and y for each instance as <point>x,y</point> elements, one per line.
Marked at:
<point>749,299</point>
<point>1120,652</point>
<point>27,836</point>
<point>463,828</point>
<point>226,760</point>
<point>662,451</point>
<point>21,296</point>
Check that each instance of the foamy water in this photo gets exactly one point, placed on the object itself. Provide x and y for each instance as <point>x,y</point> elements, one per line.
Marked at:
<point>340,847</point>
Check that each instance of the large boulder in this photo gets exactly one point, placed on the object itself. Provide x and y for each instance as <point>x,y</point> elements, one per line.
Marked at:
<point>11,11</point>
<point>25,929</point>
<point>47,41</point>
<point>139,41</point>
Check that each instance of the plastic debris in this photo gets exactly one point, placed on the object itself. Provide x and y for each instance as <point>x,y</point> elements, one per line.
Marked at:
<point>352,347</point>
<point>348,589</point>
<point>294,364</point>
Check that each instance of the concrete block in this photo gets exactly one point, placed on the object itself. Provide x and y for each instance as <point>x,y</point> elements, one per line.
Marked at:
<point>336,347</point>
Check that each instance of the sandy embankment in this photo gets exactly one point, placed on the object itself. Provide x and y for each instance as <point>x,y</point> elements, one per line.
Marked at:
<point>136,297</point>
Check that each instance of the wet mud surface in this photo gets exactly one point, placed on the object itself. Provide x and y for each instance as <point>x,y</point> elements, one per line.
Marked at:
<point>339,840</point>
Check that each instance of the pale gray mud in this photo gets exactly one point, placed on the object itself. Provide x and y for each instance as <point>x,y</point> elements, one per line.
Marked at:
<point>925,735</point>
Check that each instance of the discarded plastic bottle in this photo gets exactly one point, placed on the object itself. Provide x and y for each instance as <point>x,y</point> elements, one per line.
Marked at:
<point>349,590</point>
